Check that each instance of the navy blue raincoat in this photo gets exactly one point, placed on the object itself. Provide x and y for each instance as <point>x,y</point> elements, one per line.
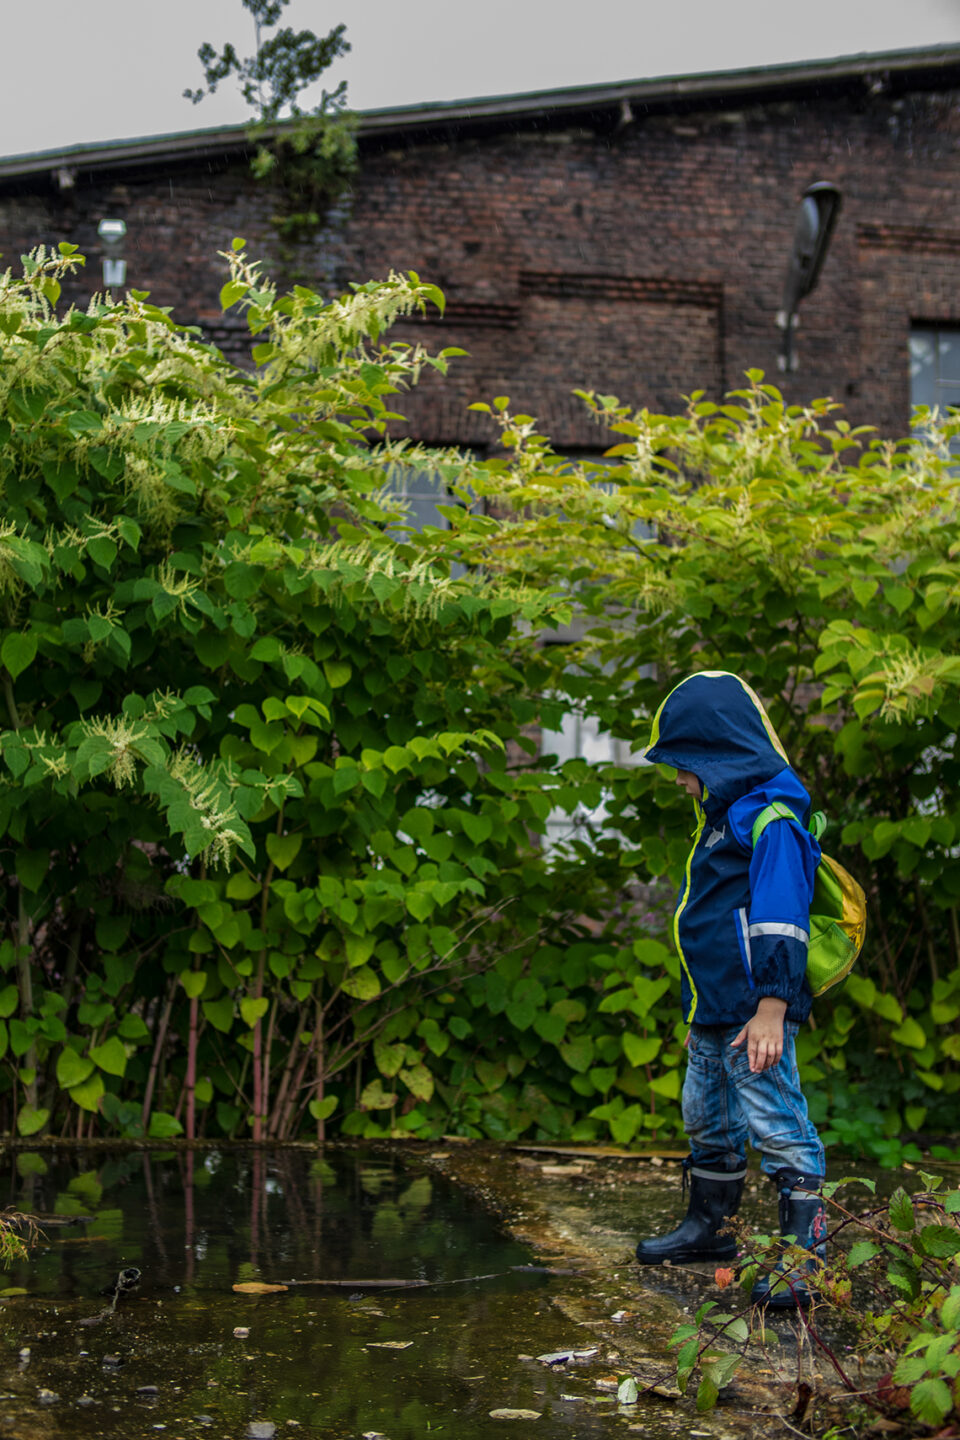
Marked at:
<point>743,914</point>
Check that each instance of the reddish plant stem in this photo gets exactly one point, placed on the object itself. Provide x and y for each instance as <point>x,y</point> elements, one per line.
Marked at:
<point>258,1077</point>
<point>279,1105</point>
<point>287,1126</point>
<point>265,1082</point>
<point>257,1054</point>
<point>157,1052</point>
<point>320,1050</point>
<point>190,1082</point>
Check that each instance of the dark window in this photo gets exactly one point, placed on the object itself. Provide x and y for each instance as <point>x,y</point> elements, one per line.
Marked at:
<point>935,369</point>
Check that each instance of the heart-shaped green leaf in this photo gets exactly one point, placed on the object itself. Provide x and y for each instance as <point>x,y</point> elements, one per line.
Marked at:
<point>30,1119</point>
<point>253,1010</point>
<point>283,849</point>
<point>17,651</point>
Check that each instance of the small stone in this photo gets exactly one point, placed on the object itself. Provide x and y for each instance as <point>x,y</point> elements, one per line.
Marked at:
<point>560,1357</point>
<point>261,1430</point>
<point>47,1397</point>
<point>86,1400</point>
<point>241,1332</point>
<point>509,1414</point>
<point>112,1362</point>
<point>24,1354</point>
<point>204,1419</point>
<point>148,1391</point>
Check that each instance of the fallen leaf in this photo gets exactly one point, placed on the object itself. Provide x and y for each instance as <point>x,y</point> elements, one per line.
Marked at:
<point>389,1344</point>
<point>515,1414</point>
<point>628,1393</point>
<point>723,1277</point>
<point>257,1287</point>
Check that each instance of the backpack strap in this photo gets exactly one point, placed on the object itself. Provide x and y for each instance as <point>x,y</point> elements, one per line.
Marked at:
<point>776,811</point>
<point>779,811</point>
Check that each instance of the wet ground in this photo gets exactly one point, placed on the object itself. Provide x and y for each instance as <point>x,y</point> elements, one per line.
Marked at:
<point>421,1288</point>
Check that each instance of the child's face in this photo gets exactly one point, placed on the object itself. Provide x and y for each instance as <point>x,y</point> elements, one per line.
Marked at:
<point>689,782</point>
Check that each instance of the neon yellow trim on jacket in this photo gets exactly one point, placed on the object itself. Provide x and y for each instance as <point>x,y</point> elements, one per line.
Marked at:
<point>701,819</point>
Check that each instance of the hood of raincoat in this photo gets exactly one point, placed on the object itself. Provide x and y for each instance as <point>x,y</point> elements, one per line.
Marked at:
<point>715,726</point>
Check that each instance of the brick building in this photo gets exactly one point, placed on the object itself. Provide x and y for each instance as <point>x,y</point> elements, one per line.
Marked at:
<point>631,238</point>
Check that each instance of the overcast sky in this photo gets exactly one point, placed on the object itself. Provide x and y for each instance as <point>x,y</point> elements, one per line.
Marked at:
<point>85,70</point>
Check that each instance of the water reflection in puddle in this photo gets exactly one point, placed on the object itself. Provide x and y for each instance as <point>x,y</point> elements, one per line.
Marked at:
<point>185,1354</point>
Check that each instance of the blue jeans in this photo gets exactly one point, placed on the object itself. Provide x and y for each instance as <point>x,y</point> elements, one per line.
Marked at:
<point>724,1105</point>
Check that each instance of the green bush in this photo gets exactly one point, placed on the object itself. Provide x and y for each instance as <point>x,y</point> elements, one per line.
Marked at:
<point>272,791</point>
<point>821,564</point>
<point>265,850</point>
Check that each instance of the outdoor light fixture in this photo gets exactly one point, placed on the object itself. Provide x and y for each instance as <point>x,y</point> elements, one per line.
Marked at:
<point>811,237</point>
<point>112,235</point>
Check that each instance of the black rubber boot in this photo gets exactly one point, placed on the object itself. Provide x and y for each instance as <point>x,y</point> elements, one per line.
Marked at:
<point>714,1197</point>
<point>803,1217</point>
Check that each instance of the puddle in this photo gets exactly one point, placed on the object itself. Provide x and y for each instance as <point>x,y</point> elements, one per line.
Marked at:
<point>594,1207</point>
<point>318,1359</point>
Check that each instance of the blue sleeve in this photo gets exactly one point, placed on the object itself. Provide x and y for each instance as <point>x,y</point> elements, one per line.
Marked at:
<point>782,870</point>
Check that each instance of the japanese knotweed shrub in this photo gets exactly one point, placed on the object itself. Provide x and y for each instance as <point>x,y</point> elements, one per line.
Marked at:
<point>822,564</point>
<point>269,814</point>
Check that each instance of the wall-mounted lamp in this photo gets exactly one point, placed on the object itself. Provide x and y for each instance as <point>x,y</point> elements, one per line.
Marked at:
<point>112,235</point>
<point>819,209</point>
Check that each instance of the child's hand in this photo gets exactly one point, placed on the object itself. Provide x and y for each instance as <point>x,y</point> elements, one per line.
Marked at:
<point>763,1034</point>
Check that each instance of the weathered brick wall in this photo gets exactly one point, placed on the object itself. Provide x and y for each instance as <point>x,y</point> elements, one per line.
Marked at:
<point>643,261</point>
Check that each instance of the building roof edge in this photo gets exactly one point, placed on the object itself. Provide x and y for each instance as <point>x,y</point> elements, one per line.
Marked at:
<point>723,87</point>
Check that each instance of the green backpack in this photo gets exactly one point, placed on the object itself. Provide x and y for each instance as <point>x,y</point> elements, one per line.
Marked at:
<point>838,910</point>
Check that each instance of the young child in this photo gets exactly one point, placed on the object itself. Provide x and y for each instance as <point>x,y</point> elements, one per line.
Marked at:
<point>741,929</point>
